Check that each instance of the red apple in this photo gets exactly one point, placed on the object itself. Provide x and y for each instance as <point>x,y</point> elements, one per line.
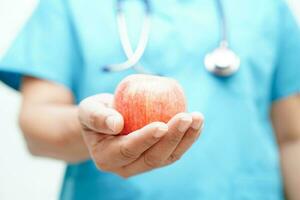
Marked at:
<point>142,99</point>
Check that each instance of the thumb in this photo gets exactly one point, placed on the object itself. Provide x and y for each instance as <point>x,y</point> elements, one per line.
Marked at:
<point>96,114</point>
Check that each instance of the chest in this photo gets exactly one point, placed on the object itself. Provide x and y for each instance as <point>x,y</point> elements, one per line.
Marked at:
<point>181,35</point>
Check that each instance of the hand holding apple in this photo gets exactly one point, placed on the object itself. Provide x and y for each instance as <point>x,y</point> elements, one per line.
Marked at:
<point>152,146</point>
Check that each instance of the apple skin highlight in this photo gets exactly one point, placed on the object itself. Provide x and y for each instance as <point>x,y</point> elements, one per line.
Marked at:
<point>142,99</point>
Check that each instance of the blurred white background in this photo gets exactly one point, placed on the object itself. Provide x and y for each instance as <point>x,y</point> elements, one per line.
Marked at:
<point>21,175</point>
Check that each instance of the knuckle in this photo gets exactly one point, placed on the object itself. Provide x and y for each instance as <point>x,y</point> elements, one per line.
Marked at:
<point>149,142</point>
<point>127,153</point>
<point>174,157</point>
<point>94,119</point>
<point>152,161</point>
<point>174,140</point>
<point>158,124</point>
<point>180,115</point>
<point>193,135</point>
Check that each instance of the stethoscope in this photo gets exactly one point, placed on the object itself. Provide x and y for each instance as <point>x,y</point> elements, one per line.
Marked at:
<point>221,62</point>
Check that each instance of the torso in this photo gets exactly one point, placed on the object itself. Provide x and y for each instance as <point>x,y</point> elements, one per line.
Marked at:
<point>236,157</point>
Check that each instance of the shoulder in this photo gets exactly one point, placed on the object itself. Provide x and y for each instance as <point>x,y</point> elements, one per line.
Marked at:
<point>260,7</point>
<point>265,14</point>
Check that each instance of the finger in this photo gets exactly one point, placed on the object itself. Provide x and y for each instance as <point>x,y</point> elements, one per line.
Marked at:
<point>189,138</point>
<point>178,126</point>
<point>96,115</point>
<point>132,146</point>
<point>159,153</point>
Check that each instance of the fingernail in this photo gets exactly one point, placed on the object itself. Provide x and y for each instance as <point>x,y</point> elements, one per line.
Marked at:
<point>112,122</point>
<point>202,126</point>
<point>161,131</point>
<point>184,124</point>
<point>197,125</point>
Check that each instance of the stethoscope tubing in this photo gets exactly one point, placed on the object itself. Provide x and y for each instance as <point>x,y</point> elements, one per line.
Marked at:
<point>222,61</point>
<point>132,56</point>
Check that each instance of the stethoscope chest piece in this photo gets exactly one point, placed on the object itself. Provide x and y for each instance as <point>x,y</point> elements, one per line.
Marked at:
<point>222,61</point>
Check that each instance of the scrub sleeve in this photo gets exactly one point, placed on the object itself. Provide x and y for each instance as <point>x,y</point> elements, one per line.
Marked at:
<point>286,80</point>
<point>46,48</point>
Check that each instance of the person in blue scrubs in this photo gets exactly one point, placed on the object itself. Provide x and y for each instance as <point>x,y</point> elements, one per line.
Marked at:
<point>249,148</point>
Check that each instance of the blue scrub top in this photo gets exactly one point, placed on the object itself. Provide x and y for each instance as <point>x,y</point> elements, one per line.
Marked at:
<point>237,155</point>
